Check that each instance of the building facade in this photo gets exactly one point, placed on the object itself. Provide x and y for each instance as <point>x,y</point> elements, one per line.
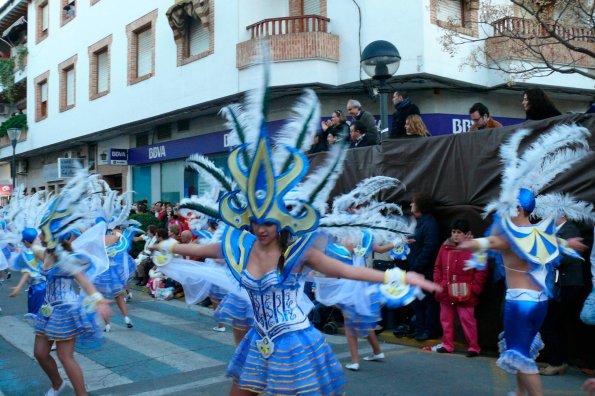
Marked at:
<point>132,90</point>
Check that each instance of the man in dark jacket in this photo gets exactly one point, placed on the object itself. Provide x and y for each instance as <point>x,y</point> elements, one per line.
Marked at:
<point>359,136</point>
<point>354,108</point>
<point>403,109</point>
<point>564,308</point>
<point>424,249</point>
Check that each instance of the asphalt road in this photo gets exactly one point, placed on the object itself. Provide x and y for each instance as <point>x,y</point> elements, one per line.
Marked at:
<point>172,350</point>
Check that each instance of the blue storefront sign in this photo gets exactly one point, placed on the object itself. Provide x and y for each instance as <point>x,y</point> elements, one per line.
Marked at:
<point>67,167</point>
<point>118,156</point>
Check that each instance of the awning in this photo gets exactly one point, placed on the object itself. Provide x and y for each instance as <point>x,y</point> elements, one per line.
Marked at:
<point>178,13</point>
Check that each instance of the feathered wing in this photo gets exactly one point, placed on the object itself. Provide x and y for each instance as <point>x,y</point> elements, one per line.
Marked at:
<point>574,209</point>
<point>298,132</point>
<point>363,192</point>
<point>317,188</point>
<point>551,154</point>
<point>213,176</point>
<point>347,227</point>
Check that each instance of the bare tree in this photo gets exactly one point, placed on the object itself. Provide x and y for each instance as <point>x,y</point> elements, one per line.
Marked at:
<point>529,38</point>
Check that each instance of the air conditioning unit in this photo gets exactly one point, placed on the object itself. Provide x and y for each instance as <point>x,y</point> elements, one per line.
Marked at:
<point>22,167</point>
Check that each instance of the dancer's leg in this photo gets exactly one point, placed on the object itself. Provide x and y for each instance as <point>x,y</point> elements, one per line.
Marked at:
<point>352,342</point>
<point>373,340</point>
<point>121,302</point>
<point>41,351</point>
<point>531,383</point>
<point>238,335</point>
<point>73,370</point>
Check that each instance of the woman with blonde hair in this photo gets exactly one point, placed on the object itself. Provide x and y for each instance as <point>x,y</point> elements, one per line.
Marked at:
<point>415,127</point>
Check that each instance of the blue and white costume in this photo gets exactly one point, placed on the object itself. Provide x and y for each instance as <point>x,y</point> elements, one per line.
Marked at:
<point>283,353</point>
<point>121,269</point>
<point>535,244</point>
<point>27,262</point>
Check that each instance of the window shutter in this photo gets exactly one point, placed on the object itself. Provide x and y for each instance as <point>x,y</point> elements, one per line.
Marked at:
<point>198,37</point>
<point>311,7</point>
<point>450,10</point>
<point>102,72</point>
<point>44,92</point>
<point>70,87</point>
<point>145,53</point>
<point>44,18</point>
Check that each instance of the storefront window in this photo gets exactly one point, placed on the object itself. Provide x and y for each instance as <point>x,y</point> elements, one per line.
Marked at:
<point>171,181</point>
<point>141,183</point>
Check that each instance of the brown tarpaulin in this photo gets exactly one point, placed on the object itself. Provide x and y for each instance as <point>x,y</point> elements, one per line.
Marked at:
<point>461,172</point>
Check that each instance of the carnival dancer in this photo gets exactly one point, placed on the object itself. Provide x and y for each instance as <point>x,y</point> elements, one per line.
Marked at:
<point>267,247</point>
<point>360,304</point>
<point>28,262</point>
<point>113,282</point>
<point>67,317</point>
<point>528,252</point>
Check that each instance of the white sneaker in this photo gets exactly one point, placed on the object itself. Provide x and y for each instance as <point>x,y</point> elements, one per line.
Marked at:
<point>107,328</point>
<point>53,347</point>
<point>352,366</point>
<point>129,296</point>
<point>56,392</point>
<point>128,322</point>
<point>371,357</point>
<point>219,329</point>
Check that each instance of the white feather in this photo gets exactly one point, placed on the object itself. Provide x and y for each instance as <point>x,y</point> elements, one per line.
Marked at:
<point>363,192</point>
<point>566,204</point>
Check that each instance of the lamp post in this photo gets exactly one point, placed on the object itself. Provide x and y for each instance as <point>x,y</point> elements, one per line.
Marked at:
<point>380,60</point>
<point>14,134</point>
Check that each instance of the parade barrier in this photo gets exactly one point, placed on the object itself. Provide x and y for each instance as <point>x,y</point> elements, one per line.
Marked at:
<point>462,173</point>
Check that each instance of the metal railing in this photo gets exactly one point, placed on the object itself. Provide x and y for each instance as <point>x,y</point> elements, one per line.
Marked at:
<point>526,28</point>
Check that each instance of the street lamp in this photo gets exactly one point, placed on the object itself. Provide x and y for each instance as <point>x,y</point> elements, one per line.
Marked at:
<point>14,134</point>
<point>380,60</point>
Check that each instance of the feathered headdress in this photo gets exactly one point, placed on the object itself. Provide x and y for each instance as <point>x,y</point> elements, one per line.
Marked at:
<point>525,176</point>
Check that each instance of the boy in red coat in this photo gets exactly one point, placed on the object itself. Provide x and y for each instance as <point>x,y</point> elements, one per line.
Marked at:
<point>461,290</point>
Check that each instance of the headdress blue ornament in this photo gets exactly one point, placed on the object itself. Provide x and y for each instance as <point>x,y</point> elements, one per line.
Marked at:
<point>29,234</point>
<point>526,200</point>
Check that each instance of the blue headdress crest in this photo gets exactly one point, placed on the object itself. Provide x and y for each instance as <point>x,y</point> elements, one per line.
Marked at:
<point>262,181</point>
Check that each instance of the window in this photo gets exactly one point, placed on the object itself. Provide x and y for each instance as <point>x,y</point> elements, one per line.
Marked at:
<point>141,48</point>
<point>144,54</point>
<point>457,15</point>
<point>311,7</point>
<point>451,11</point>
<point>193,26</point>
<point>99,68</point>
<point>41,96</point>
<point>198,38</point>
<point>67,83</point>
<point>68,11</point>
<point>43,21</point>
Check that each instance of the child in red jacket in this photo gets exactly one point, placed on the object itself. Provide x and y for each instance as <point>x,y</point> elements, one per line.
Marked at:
<point>461,290</point>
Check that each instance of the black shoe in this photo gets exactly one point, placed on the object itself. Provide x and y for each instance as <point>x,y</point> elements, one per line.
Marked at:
<point>472,354</point>
<point>442,350</point>
<point>379,330</point>
<point>422,337</point>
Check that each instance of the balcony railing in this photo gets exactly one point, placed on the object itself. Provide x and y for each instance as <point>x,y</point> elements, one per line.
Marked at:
<point>521,27</point>
<point>288,25</point>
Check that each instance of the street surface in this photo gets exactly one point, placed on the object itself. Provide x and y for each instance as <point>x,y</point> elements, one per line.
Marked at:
<point>172,350</point>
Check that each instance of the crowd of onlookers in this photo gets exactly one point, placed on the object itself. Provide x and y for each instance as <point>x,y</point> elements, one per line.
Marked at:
<point>362,130</point>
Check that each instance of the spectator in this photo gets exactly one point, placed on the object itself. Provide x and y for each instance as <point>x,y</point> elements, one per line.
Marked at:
<point>403,109</point>
<point>337,125</point>
<point>359,137</point>
<point>425,243</point>
<point>331,139</point>
<point>174,232</point>
<point>460,290</point>
<point>319,143</point>
<point>538,105</point>
<point>564,308</point>
<point>354,108</point>
<point>143,261</point>
<point>480,116</point>
<point>415,127</point>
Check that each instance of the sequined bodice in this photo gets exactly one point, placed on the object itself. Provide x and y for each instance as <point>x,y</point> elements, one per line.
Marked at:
<point>60,288</point>
<point>276,305</point>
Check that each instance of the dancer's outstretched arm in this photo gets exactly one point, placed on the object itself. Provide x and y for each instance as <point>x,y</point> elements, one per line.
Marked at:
<point>94,299</point>
<point>335,268</point>
<point>190,249</point>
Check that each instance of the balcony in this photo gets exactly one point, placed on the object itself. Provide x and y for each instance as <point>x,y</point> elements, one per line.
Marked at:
<point>514,37</point>
<point>290,38</point>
